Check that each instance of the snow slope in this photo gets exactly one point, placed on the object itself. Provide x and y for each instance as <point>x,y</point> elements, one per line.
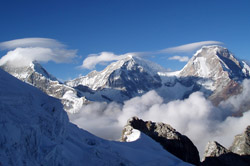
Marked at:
<point>35,130</point>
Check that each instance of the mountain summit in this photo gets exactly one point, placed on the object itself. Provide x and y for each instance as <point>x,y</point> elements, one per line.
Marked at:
<point>126,78</point>
<point>217,70</point>
<point>215,62</point>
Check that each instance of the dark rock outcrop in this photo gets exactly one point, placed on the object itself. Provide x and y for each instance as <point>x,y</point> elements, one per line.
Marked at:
<point>171,140</point>
<point>217,155</point>
<point>241,144</point>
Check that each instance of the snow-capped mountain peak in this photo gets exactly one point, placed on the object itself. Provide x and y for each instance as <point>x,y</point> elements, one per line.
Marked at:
<point>124,79</point>
<point>24,72</point>
<point>128,65</point>
<point>214,62</point>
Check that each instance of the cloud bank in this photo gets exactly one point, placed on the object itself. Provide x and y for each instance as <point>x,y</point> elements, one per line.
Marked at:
<point>31,42</point>
<point>24,51</point>
<point>189,48</point>
<point>195,117</point>
<point>93,59</point>
<point>179,58</point>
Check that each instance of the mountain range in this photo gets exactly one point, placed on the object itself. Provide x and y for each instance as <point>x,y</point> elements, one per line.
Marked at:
<point>213,70</point>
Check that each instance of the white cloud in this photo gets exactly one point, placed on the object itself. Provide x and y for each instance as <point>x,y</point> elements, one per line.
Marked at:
<point>93,59</point>
<point>179,58</point>
<point>31,42</point>
<point>189,48</point>
<point>234,103</point>
<point>195,117</point>
<point>35,49</point>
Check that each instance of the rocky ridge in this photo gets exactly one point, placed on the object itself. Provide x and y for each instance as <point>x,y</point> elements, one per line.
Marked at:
<point>241,144</point>
<point>171,140</point>
<point>216,154</point>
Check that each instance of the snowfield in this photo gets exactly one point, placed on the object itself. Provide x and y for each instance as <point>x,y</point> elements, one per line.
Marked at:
<point>35,130</point>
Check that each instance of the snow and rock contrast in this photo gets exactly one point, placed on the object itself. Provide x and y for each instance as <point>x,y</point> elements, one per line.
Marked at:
<point>171,140</point>
<point>121,80</point>
<point>35,130</point>
<point>216,72</point>
<point>37,76</point>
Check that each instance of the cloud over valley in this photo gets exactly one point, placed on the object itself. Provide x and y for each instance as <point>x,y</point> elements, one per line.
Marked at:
<point>195,117</point>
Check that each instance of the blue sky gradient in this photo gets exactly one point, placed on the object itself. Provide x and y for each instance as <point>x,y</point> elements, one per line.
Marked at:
<point>121,26</point>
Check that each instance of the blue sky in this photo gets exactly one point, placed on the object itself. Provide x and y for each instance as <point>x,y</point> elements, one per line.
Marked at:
<point>122,26</point>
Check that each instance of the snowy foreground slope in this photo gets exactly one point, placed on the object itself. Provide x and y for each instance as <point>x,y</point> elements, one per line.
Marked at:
<point>37,76</point>
<point>35,130</point>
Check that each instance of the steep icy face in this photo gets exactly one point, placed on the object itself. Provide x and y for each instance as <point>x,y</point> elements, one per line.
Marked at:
<point>35,131</point>
<point>216,70</point>
<point>37,76</point>
<point>32,124</point>
<point>215,62</point>
<point>128,77</point>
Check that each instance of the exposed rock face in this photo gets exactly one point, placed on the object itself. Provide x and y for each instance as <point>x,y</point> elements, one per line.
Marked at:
<point>241,144</point>
<point>214,149</point>
<point>171,140</point>
<point>217,155</point>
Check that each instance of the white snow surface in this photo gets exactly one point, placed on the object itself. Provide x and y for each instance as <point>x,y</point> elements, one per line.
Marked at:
<point>204,69</point>
<point>75,102</point>
<point>135,135</point>
<point>35,130</point>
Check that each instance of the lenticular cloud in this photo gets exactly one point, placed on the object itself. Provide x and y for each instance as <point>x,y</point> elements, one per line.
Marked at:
<point>24,51</point>
<point>195,117</point>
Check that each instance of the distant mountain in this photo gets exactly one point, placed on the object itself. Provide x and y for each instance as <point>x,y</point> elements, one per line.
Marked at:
<point>213,70</point>
<point>35,130</point>
<point>121,80</point>
<point>37,76</point>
